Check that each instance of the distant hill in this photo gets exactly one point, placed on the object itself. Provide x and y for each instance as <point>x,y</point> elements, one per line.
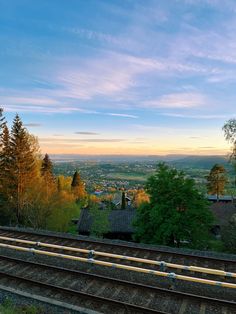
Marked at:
<point>201,162</point>
<point>204,162</point>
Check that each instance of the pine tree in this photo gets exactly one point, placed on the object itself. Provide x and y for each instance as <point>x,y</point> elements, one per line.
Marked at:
<point>5,175</point>
<point>47,167</point>
<point>47,175</point>
<point>77,187</point>
<point>2,125</point>
<point>23,167</point>
<point>5,157</point>
<point>59,185</point>
<point>216,180</point>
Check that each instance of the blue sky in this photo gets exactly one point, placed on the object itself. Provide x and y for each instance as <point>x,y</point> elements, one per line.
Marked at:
<point>120,77</point>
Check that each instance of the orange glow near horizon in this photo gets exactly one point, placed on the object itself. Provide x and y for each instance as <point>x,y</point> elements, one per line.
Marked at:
<point>121,150</point>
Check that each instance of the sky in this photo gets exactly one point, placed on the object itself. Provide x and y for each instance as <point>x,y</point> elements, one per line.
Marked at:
<point>133,77</point>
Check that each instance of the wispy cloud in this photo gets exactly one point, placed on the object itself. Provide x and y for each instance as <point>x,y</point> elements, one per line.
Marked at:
<point>181,100</point>
<point>19,100</point>
<point>86,133</point>
<point>195,137</point>
<point>95,35</point>
<point>197,116</point>
<point>122,115</point>
<point>32,124</point>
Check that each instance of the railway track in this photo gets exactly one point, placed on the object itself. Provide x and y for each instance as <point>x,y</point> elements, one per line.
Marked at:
<point>103,293</point>
<point>229,266</point>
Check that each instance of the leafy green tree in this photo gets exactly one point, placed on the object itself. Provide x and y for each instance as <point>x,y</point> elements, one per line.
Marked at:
<point>100,220</point>
<point>176,211</point>
<point>229,129</point>
<point>216,180</point>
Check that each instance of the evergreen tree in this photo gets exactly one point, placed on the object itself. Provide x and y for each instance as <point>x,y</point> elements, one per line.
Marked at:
<point>75,180</point>
<point>5,175</point>
<point>2,125</point>
<point>216,180</point>
<point>77,187</point>
<point>23,167</point>
<point>176,211</point>
<point>123,200</point>
<point>47,175</point>
<point>5,156</point>
<point>59,185</point>
<point>47,167</point>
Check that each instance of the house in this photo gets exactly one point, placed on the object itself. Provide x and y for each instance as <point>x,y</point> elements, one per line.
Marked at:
<point>121,226</point>
<point>222,212</point>
<point>120,223</point>
<point>98,192</point>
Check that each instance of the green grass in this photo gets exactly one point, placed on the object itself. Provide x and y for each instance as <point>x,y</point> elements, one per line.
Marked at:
<point>217,245</point>
<point>72,229</point>
<point>8,307</point>
<point>127,176</point>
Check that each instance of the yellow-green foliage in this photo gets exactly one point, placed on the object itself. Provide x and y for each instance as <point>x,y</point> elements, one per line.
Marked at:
<point>63,211</point>
<point>100,222</point>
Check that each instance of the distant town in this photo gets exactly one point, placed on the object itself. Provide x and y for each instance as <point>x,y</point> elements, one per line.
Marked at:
<point>110,173</point>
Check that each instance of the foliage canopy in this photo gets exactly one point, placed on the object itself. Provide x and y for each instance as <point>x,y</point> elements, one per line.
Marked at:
<point>176,212</point>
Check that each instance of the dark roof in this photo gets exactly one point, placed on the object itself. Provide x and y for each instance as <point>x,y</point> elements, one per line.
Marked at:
<point>220,198</point>
<point>120,221</point>
<point>223,212</point>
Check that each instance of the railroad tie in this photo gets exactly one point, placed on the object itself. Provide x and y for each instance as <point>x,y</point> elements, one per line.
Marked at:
<point>224,310</point>
<point>89,285</point>
<point>202,308</point>
<point>117,291</point>
<point>150,300</point>
<point>183,306</point>
<point>102,289</point>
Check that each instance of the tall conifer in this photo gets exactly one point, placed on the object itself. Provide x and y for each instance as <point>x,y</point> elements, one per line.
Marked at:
<point>5,175</point>
<point>23,167</point>
<point>47,175</point>
<point>2,125</point>
<point>77,186</point>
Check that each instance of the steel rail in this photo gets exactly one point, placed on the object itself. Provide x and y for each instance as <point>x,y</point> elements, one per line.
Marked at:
<point>124,257</point>
<point>177,294</point>
<point>119,245</point>
<point>115,265</point>
<point>83,295</point>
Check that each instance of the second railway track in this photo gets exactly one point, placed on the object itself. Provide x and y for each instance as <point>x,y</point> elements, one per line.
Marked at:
<point>103,293</point>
